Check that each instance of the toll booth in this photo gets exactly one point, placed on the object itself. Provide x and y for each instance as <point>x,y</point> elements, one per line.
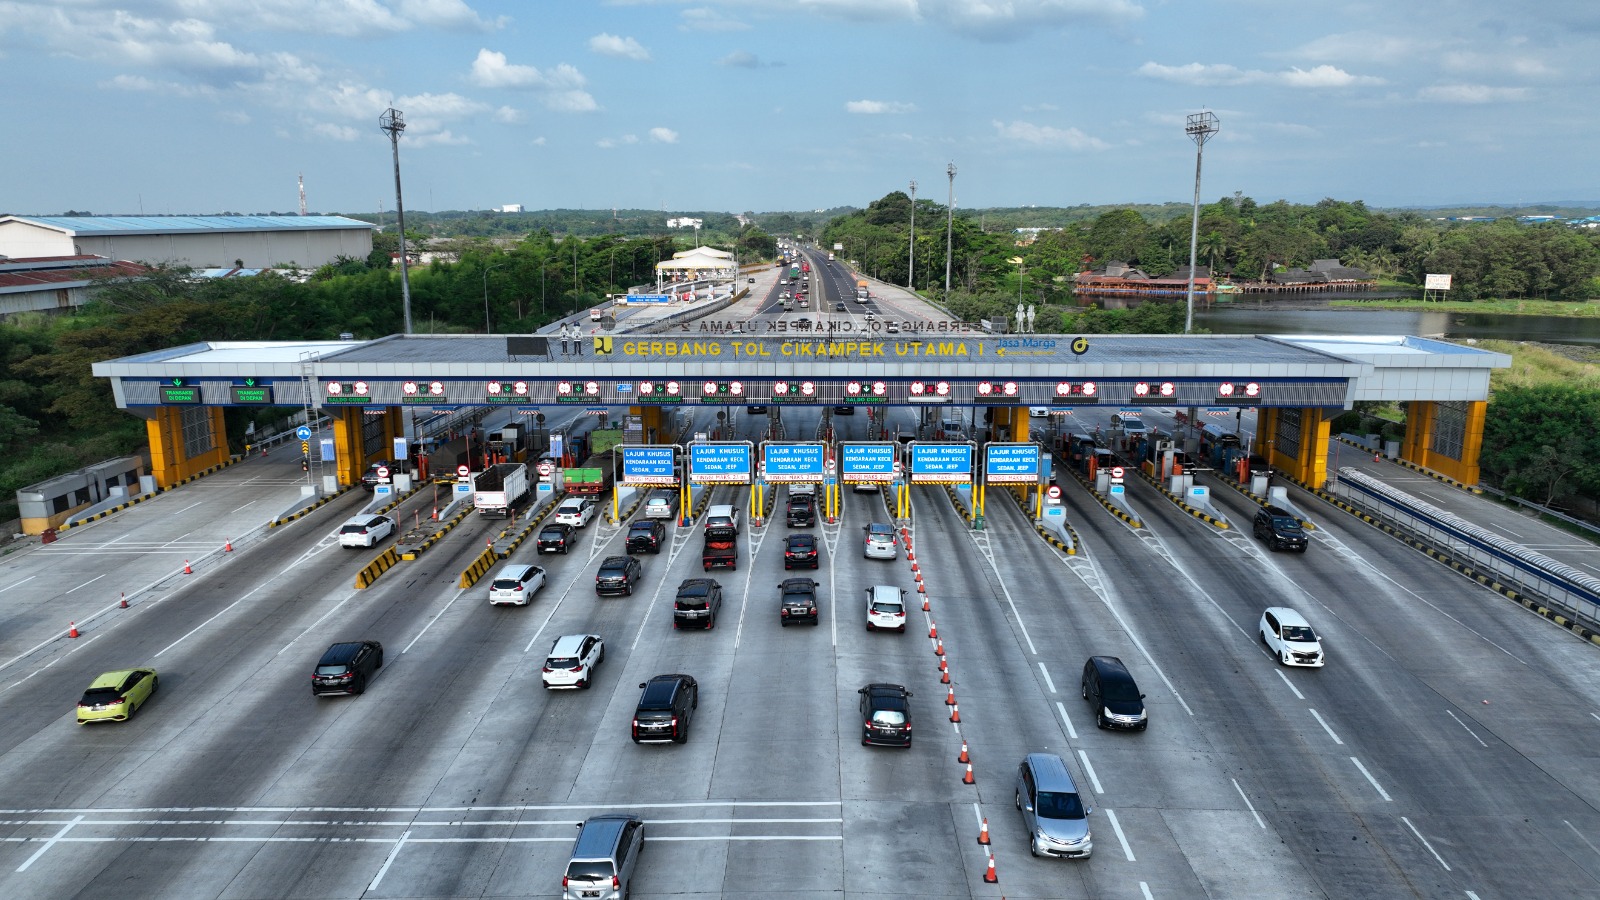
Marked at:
<point>50,504</point>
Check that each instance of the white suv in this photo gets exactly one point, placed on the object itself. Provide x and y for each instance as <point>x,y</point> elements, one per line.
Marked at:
<point>886,608</point>
<point>576,511</point>
<point>515,585</point>
<point>572,661</point>
<point>1288,635</point>
<point>365,531</point>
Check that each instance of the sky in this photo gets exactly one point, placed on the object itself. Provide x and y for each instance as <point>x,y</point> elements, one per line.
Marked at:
<point>209,106</point>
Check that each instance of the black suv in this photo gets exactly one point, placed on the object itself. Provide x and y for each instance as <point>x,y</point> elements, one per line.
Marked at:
<point>697,603</point>
<point>1280,529</point>
<point>617,575</point>
<point>345,668</point>
<point>1113,694</point>
<point>802,511</point>
<point>800,550</point>
<point>886,715</point>
<point>556,537</point>
<point>665,709</point>
<point>797,601</point>
<point>646,536</point>
<point>369,478</point>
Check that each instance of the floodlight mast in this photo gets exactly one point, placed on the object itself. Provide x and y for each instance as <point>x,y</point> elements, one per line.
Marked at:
<point>1199,127</point>
<point>911,254</point>
<point>393,123</point>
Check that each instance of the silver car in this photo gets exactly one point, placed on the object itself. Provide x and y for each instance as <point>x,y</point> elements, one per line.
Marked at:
<point>881,542</point>
<point>1054,814</point>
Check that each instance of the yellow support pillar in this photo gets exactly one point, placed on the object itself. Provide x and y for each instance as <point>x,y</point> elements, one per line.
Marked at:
<point>349,446</point>
<point>1422,424</point>
<point>169,462</point>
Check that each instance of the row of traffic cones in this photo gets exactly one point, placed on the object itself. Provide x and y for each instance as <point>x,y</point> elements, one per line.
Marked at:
<point>122,601</point>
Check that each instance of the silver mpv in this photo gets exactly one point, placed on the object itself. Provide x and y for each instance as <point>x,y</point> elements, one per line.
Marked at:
<point>1054,814</point>
<point>603,858</point>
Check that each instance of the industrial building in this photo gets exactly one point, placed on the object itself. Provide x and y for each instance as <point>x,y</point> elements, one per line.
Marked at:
<point>196,241</point>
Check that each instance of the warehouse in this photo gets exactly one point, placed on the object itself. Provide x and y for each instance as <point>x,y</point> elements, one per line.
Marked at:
<point>197,241</point>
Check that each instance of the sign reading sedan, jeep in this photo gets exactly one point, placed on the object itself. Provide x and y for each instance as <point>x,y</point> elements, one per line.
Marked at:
<point>719,463</point>
<point>941,463</point>
<point>867,463</point>
<point>793,463</point>
<point>648,465</point>
<point>1011,463</point>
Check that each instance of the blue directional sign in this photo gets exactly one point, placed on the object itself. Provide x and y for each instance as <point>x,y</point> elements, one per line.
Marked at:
<point>648,465</point>
<point>867,463</point>
<point>303,433</point>
<point>1011,463</point>
<point>941,463</point>
<point>721,463</point>
<point>790,463</point>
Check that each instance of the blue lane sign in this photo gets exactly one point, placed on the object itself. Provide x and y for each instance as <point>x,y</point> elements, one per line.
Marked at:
<point>867,463</point>
<point>789,463</point>
<point>941,463</point>
<point>1011,463</point>
<point>303,433</point>
<point>648,465</point>
<point>726,463</point>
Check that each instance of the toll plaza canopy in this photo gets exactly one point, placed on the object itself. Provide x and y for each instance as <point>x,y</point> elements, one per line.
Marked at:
<point>917,369</point>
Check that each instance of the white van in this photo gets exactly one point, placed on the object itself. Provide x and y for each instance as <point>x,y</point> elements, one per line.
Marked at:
<point>1130,424</point>
<point>723,515</point>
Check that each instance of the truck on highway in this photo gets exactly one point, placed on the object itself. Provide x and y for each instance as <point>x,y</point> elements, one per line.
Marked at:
<point>497,490</point>
<point>591,479</point>
<point>861,290</point>
<point>721,548</point>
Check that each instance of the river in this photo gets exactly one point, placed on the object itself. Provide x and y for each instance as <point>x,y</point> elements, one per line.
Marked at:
<point>1301,316</point>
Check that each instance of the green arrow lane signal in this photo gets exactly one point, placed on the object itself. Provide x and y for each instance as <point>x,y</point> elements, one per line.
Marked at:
<point>177,382</point>
<point>249,382</point>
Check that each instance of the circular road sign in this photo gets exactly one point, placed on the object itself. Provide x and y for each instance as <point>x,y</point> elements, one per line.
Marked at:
<point>463,471</point>
<point>303,433</point>
<point>1116,471</point>
<point>1054,493</point>
<point>383,471</point>
<point>545,468</point>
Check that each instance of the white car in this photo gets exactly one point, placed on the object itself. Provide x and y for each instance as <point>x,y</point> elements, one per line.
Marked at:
<point>572,661</point>
<point>1288,635</point>
<point>515,585</point>
<point>886,608</point>
<point>576,511</point>
<point>1039,412</point>
<point>658,508</point>
<point>882,542</point>
<point>365,531</point>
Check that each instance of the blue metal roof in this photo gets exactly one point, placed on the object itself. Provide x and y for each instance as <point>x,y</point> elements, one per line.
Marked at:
<point>126,225</point>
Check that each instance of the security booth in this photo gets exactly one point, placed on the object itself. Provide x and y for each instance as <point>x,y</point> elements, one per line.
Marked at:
<point>50,504</point>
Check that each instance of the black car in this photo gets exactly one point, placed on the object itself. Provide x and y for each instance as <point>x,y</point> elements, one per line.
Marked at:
<point>345,668</point>
<point>1280,529</point>
<point>646,536</point>
<point>886,715</point>
<point>1113,694</point>
<point>369,478</point>
<point>839,306</point>
<point>665,709</point>
<point>756,409</point>
<point>556,538</point>
<point>844,410</point>
<point>617,575</point>
<point>797,601</point>
<point>801,550</point>
<point>697,603</point>
<point>801,511</point>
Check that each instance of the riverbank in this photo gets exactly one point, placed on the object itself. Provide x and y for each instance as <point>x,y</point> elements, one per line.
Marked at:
<point>1534,364</point>
<point>1570,310</point>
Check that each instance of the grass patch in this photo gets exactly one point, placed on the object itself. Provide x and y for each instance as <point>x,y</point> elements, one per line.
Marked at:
<point>1584,310</point>
<point>1539,364</point>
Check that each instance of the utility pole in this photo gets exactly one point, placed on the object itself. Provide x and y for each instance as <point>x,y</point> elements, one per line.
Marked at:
<point>911,254</point>
<point>949,225</point>
<point>1200,127</point>
<point>393,123</point>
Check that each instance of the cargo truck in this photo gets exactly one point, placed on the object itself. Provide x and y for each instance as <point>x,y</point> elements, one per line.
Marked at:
<point>721,549</point>
<point>591,479</point>
<point>861,290</point>
<point>497,490</point>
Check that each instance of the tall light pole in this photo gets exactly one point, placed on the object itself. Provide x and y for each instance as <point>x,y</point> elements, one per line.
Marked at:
<point>486,270</point>
<point>1200,127</point>
<point>949,225</point>
<point>393,123</point>
<point>911,254</point>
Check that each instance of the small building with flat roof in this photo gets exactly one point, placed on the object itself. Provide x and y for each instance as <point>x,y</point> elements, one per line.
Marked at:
<point>256,242</point>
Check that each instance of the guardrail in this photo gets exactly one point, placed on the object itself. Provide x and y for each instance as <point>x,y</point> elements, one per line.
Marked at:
<point>1551,580</point>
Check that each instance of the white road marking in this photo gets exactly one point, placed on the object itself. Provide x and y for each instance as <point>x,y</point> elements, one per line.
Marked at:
<point>219,614</point>
<point>1297,694</point>
<point>1472,895</point>
<point>190,506</point>
<point>1469,730</point>
<point>48,844</point>
<point>1320,721</point>
<point>384,870</point>
<point>1425,843</point>
<point>313,625</point>
<point>1089,770</point>
<point>1132,636</point>
<point>251,503</point>
<point>1580,837</point>
<point>417,810</point>
<point>16,584</point>
<point>459,593</point>
<point>87,583</point>
<point>1071,732</point>
<point>1145,889</point>
<point>1372,781</point>
<point>1047,682</point>
<point>1248,805</point>
<point>1121,838</point>
<point>988,556</point>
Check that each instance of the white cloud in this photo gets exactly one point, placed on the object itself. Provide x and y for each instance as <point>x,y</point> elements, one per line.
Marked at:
<point>621,47</point>
<point>561,88</point>
<point>341,18</point>
<point>1471,93</point>
<point>1048,136</point>
<point>538,141</point>
<point>663,135</point>
<point>451,14</point>
<point>510,115</point>
<point>608,143</point>
<point>740,59</point>
<point>987,20</point>
<point>1225,75</point>
<point>1041,107</point>
<point>233,117</point>
<point>704,18</point>
<point>878,107</point>
<point>332,132</point>
<point>1359,47</point>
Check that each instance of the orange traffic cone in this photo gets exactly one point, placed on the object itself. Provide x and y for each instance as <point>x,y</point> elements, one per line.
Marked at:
<point>921,589</point>
<point>186,569</point>
<point>967,778</point>
<point>938,649</point>
<point>990,877</point>
<point>925,603</point>
<point>72,629</point>
<point>955,714</point>
<point>914,567</point>
<point>918,576</point>
<point>950,696</point>
<point>963,758</point>
<point>933,630</point>
<point>944,676</point>
<point>911,556</point>
<point>983,832</point>
<point>123,604</point>
<point>944,666</point>
<point>228,547</point>
<point>1377,457</point>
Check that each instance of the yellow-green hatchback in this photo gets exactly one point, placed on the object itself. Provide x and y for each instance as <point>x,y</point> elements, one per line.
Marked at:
<point>115,696</point>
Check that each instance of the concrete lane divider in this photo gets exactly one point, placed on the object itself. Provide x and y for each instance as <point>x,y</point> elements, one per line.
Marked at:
<point>384,562</point>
